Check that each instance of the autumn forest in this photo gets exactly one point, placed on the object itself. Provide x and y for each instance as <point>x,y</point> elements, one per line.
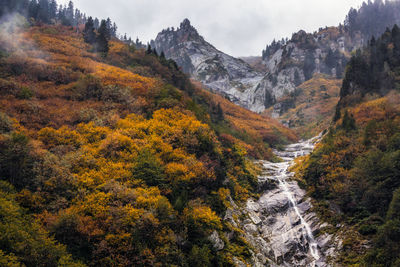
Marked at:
<point>111,155</point>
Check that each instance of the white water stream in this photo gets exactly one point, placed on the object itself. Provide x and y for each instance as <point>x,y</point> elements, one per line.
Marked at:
<point>281,174</point>
<point>281,177</point>
<point>282,215</point>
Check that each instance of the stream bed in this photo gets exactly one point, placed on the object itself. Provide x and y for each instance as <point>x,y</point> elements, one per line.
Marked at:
<point>280,224</point>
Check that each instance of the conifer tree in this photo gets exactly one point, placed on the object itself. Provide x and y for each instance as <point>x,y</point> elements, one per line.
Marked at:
<point>88,33</point>
<point>43,11</point>
<point>53,9</point>
<point>96,23</point>
<point>70,13</point>
<point>348,122</point>
<point>109,28</point>
<point>102,38</point>
<point>149,50</point>
<point>114,30</point>
<point>33,9</point>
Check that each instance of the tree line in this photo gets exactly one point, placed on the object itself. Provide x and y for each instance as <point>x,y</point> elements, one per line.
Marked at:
<point>50,12</point>
<point>372,18</point>
<point>375,68</point>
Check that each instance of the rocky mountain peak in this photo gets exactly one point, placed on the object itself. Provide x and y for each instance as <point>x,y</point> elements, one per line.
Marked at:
<point>216,70</point>
<point>185,25</point>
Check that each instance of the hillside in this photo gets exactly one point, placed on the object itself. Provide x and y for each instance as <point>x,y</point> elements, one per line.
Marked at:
<point>218,71</point>
<point>116,158</point>
<point>271,84</point>
<point>311,107</point>
<point>114,154</point>
<point>354,173</point>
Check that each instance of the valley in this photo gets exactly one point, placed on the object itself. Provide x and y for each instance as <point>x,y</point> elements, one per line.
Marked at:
<point>178,154</point>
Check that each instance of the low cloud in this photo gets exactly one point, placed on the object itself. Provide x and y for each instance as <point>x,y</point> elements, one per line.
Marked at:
<point>237,27</point>
<point>10,27</point>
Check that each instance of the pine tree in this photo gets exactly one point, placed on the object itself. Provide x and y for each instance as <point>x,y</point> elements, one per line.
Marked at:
<point>70,13</point>
<point>149,50</point>
<point>88,33</point>
<point>43,11</point>
<point>338,114</point>
<point>114,30</point>
<point>109,28</point>
<point>33,9</point>
<point>162,55</point>
<point>220,113</point>
<point>77,17</point>
<point>53,9</point>
<point>348,122</point>
<point>102,38</point>
<point>96,23</point>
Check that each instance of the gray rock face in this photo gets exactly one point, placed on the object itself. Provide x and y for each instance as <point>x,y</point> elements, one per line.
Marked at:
<point>217,242</point>
<point>218,71</point>
<point>288,66</point>
<point>281,226</point>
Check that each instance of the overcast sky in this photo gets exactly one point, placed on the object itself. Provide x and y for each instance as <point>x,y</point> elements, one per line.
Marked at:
<point>236,27</point>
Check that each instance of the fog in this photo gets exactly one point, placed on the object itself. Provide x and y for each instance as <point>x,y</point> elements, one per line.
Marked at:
<point>237,27</point>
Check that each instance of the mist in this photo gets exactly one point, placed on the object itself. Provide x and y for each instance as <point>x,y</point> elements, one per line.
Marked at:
<point>237,27</point>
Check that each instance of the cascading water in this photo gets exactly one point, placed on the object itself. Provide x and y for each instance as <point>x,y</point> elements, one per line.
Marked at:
<point>313,246</point>
<point>282,216</point>
<point>288,155</point>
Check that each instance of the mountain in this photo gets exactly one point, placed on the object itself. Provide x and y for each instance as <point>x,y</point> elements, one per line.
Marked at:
<point>218,71</point>
<point>115,157</point>
<point>284,65</point>
<point>354,173</point>
<point>271,85</point>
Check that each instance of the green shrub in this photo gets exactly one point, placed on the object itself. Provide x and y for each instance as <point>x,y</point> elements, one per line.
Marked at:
<point>25,93</point>
<point>86,87</point>
<point>6,125</point>
<point>367,229</point>
<point>116,94</point>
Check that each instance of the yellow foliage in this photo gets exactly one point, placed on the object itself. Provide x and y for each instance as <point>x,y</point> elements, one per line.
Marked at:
<point>117,146</point>
<point>62,136</point>
<point>96,204</point>
<point>131,215</point>
<point>203,217</point>
<point>92,133</point>
<point>111,75</point>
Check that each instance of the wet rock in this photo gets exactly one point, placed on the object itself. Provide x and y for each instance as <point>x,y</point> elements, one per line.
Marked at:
<point>254,217</point>
<point>238,262</point>
<point>217,242</point>
<point>281,227</point>
<point>251,228</point>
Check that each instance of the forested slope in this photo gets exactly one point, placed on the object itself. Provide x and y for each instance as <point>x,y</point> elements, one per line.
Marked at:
<point>354,172</point>
<point>115,157</point>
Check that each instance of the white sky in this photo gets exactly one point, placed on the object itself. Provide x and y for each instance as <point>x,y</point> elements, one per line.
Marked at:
<point>236,27</point>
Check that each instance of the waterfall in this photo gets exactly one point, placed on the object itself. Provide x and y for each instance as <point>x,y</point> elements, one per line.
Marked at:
<point>313,246</point>
<point>282,175</point>
<point>283,216</point>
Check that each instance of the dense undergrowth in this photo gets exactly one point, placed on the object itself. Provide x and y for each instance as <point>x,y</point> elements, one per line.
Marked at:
<point>118,160</point>
<point>354,174</point>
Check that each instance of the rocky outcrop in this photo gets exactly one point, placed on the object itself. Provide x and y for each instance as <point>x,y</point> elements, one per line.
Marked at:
<point>218,71</point>
<point>280,225</point>
<point>286,65</point>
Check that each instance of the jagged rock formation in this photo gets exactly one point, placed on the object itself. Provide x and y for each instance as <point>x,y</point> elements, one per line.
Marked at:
<point>286,65</point>
<point>280,225</point>
<point>218,71</point>
<point>292,62</point>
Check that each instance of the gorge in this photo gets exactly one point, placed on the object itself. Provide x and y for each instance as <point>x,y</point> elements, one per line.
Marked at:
<point>281,224</point>
<point>178,154</point>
